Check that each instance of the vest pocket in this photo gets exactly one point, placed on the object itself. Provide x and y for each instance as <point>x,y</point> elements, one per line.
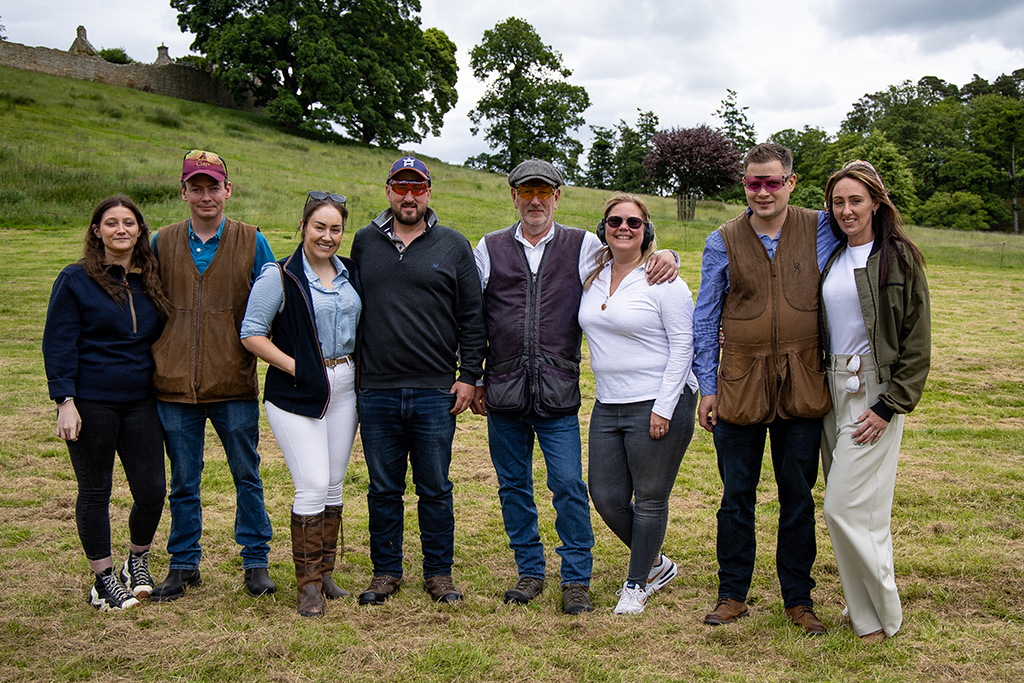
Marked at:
<point>558,386</point>
<point>505,385</point>
<point>743,390</point>
<point>804,392</point>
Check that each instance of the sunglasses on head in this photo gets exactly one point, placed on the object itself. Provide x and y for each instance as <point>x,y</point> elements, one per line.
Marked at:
<point>317,196</point>
<point>770,183</point>
<point>539,191</point>
<point>403,187</point>
<point>633,222</point>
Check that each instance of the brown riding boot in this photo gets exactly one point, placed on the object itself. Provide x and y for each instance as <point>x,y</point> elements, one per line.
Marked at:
<point>334,538</point>
<point>307,550</point>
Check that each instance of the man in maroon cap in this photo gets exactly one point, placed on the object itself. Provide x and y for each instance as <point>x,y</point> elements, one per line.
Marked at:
<point>207,265</point>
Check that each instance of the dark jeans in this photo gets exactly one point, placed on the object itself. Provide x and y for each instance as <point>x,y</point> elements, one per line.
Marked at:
<point>396,424</point>
<point>795,445</point>
<point>631,475</point>
<point>132,430</point>
<point>237,423</point>
<point>511,439</point>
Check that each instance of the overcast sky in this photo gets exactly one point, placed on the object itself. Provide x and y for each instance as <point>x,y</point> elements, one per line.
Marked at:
<point>795,63</point>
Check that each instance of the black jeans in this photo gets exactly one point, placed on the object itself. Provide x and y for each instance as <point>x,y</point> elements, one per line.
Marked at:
<point>132,429</point>
<point>795,444</point>
<point>631,475</point>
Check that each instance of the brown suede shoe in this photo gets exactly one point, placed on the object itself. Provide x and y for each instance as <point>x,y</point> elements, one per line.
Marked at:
<point>804,617</point>
<point>726,611</point>
<point>381,588</point>
<point>441,588</point>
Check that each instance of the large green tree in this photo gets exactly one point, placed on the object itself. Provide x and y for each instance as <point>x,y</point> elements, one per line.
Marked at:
<point>364,65</point>
<point>634,145</point>
<point>529,108</point>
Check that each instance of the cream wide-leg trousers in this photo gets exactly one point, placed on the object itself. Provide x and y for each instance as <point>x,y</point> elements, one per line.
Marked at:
<point>859,485</point>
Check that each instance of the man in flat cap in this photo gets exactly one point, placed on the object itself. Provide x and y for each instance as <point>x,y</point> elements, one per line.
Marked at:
<point>532,275</point>
<point>420,357</point>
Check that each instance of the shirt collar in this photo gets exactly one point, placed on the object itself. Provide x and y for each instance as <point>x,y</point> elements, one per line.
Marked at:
<point>220,229</point>
<point>548,236</point>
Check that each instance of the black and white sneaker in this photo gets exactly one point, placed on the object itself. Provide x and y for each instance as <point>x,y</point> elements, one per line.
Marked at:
<point>135,575</point>
<point>108,593</point>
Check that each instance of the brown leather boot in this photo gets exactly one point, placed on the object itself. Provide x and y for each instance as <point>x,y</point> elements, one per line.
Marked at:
<point>334,538</point>
<point>307,550</point>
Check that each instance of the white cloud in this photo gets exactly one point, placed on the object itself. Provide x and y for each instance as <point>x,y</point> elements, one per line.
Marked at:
<point>801,63</point>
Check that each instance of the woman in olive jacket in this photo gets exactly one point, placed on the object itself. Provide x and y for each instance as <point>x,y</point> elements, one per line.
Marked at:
<point>877,330</point>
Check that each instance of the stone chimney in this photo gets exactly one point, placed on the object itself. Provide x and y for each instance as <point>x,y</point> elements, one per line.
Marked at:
<point>82,44</point>
<point>162,57</point>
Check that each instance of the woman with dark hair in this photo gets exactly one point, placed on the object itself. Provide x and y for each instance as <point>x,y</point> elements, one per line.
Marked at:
<point>105,312</point>
<point>302,318</point>
<point>641,349</point>
<point>877,330</point>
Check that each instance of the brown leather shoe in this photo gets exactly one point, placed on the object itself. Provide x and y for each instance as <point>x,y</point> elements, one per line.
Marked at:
<point>380,589</point>
<point>441,588</point>
<point>524,590</point>
<point>726,611</point>
<point>804,617</point>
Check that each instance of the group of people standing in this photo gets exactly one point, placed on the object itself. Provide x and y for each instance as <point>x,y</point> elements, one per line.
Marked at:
<point>154,337</point>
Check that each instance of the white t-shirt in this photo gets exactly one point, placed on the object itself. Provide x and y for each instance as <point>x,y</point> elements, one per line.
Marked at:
<point>641,342</point>
<point>839,296</point>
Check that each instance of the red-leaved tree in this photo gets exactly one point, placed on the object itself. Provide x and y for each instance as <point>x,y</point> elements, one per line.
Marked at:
<point>692,162</point>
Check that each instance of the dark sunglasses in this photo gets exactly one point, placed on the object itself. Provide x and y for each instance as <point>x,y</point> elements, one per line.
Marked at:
<point>318,196</point>
<point>770,183</point>
<point>633,222</point>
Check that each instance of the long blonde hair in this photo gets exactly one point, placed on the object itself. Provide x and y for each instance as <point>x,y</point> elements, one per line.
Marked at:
<point>604,255</point>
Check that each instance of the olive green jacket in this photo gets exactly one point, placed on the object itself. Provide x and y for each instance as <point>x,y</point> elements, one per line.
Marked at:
<point>897,318</point>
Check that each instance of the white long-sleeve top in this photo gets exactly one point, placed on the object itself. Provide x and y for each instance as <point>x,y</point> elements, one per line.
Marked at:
<point>641,342</point>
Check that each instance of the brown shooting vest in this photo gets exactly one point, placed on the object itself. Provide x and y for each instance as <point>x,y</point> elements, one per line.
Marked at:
<point>199,358</point>
<point>772,363</point>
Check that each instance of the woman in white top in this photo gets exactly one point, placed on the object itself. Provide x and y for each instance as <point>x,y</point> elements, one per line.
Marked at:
<point>641,350</point>
<point>877,329</point>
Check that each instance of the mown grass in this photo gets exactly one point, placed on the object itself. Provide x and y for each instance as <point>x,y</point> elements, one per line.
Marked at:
<point>958,516</point>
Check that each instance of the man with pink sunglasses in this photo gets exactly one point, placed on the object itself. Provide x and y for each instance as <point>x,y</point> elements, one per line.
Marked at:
<point>758,306</point>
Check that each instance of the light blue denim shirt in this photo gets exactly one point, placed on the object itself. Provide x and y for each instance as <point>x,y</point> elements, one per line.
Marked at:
<point>336,311</point>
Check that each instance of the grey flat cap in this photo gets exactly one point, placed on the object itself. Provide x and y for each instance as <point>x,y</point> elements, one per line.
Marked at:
<point>535,169</point>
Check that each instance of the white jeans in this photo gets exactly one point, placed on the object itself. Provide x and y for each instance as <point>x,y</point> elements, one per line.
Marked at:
<point>318,450</point>
<point>859,485</point>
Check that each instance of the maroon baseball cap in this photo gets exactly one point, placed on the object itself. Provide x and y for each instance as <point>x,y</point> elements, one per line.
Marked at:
<point>197,161</point>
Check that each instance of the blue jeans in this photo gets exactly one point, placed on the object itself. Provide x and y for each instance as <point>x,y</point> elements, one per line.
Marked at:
<point>795,445</point>
<point>237,425</point>
<point>511,445</point>
<point>631,475</point>
<point>394,424</point>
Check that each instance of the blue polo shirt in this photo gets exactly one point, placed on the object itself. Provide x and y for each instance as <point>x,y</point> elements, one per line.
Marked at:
<point>203,252</point>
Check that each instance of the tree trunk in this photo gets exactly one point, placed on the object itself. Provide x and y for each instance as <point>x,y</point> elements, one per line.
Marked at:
<point>686,206</point>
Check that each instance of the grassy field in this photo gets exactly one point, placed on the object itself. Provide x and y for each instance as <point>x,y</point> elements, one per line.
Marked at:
<point>958,518</point>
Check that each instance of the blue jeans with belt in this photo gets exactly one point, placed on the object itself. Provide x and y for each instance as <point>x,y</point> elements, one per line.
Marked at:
<point>795,445</point>
<point>401,427</point>
<point>511,439</point>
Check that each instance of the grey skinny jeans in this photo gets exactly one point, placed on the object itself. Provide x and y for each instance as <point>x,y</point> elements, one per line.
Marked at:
<point>631,475</point>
